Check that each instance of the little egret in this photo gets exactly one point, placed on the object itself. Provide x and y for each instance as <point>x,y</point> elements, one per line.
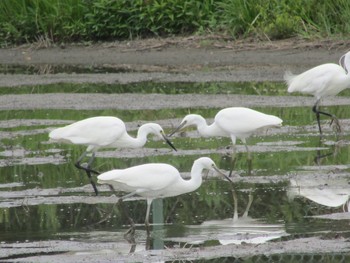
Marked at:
<point>234,122</point>
<point>321,81</point>
<point>103,132</point>
<point>156,180</point>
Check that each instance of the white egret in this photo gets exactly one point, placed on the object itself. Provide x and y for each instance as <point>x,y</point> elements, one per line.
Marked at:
<point>322,81</point>
<point>103,132</point>
<point>156,180</point>
<point>234,122</point>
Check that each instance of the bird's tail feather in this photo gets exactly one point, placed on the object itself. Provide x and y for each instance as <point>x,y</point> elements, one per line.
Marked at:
<point>288,77</point>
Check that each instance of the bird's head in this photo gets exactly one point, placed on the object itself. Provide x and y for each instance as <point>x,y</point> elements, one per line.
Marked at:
<point>210,165</point>
<point>157,130</point>
<point>189,120</point>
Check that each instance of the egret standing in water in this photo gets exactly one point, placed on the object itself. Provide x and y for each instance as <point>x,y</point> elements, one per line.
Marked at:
<point>156,180</point>
<point>235,122</point>
<point>322,81</point>
<point>103,132</point>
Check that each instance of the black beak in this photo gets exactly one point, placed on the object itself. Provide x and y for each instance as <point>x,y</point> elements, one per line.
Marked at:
<point>177,129</point>
<point>169,142</point>
<point>222,174</point>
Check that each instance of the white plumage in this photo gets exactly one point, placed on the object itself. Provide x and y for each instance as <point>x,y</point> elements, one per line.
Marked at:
<point>321,81</point>
<point>234,122</point>
<point>156,180</point>
<point>103,132</point>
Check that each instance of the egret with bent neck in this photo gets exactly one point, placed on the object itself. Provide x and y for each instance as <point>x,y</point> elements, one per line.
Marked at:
<point>103,132</point>
<point>156,180</point>
<point>234,122</point>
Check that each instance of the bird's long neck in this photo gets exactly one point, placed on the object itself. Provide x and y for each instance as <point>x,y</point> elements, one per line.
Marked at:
<point>345,63</point>
<point>196,178</point>
<point>142,134</point>
<point>139,141</point>
<point>204,129</point>
<point>342,83</point>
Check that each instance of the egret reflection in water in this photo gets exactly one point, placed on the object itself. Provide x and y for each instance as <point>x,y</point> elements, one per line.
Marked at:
<point>237,229</point>
<point>333,192</point>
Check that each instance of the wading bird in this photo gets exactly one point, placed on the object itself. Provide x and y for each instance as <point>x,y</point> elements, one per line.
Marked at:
<point>322,81</point>
<point>103,132</point>
<point>156,180</point>
<point>235,122</point>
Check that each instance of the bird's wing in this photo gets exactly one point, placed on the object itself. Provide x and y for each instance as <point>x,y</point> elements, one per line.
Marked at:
<point>151,176</point>
<point>239,120</point>
<point>100,131</point>
<point>313,80</point>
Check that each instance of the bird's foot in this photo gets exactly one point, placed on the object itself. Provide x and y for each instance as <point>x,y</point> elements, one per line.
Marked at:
<point>86,168</point>
<point>336,123</point>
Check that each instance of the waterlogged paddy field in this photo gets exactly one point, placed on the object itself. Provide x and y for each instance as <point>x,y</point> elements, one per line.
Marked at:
<point>292,205</point>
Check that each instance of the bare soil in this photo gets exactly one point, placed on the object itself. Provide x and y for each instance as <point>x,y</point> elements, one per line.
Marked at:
<point>191,59</point>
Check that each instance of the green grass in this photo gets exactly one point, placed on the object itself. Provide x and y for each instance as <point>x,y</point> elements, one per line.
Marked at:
<point>244,88</point>
<point>57,21</point>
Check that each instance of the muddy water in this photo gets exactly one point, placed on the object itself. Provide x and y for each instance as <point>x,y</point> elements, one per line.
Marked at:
<point>293,200</point>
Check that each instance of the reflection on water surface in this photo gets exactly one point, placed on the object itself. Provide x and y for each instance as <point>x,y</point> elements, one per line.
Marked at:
<point>298,188</point>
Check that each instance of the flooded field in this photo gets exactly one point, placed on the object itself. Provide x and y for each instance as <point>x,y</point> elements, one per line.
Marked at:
<point>291,206</point>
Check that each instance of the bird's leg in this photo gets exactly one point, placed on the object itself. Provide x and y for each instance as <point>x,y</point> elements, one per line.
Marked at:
<point>316,111</point>
<point>89,173</point>
<point>92,182</point>
<point>337,124</point>
<point>148,227</point>
<point>87,169</point>
<point>130,234</point>
<point>250,201</point>
<point>133,247</point>
<point>148,242</point>
<point>111,188</point>
<point>249,158</point>
<point>320,156</point>
<point>235,204</point>
<point>334,119</point>
<point>233,160</point>
<point>149,202</point>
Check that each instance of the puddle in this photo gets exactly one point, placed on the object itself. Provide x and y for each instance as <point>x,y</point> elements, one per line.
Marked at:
<point>292,205</point>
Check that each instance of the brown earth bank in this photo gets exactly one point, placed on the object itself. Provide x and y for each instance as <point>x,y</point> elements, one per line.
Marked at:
<point>191,59</point>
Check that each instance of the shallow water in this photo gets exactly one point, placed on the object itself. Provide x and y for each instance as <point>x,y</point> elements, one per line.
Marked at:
<point>298,186</point>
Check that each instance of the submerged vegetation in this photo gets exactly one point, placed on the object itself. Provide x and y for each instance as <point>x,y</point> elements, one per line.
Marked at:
<point>86,20</point>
